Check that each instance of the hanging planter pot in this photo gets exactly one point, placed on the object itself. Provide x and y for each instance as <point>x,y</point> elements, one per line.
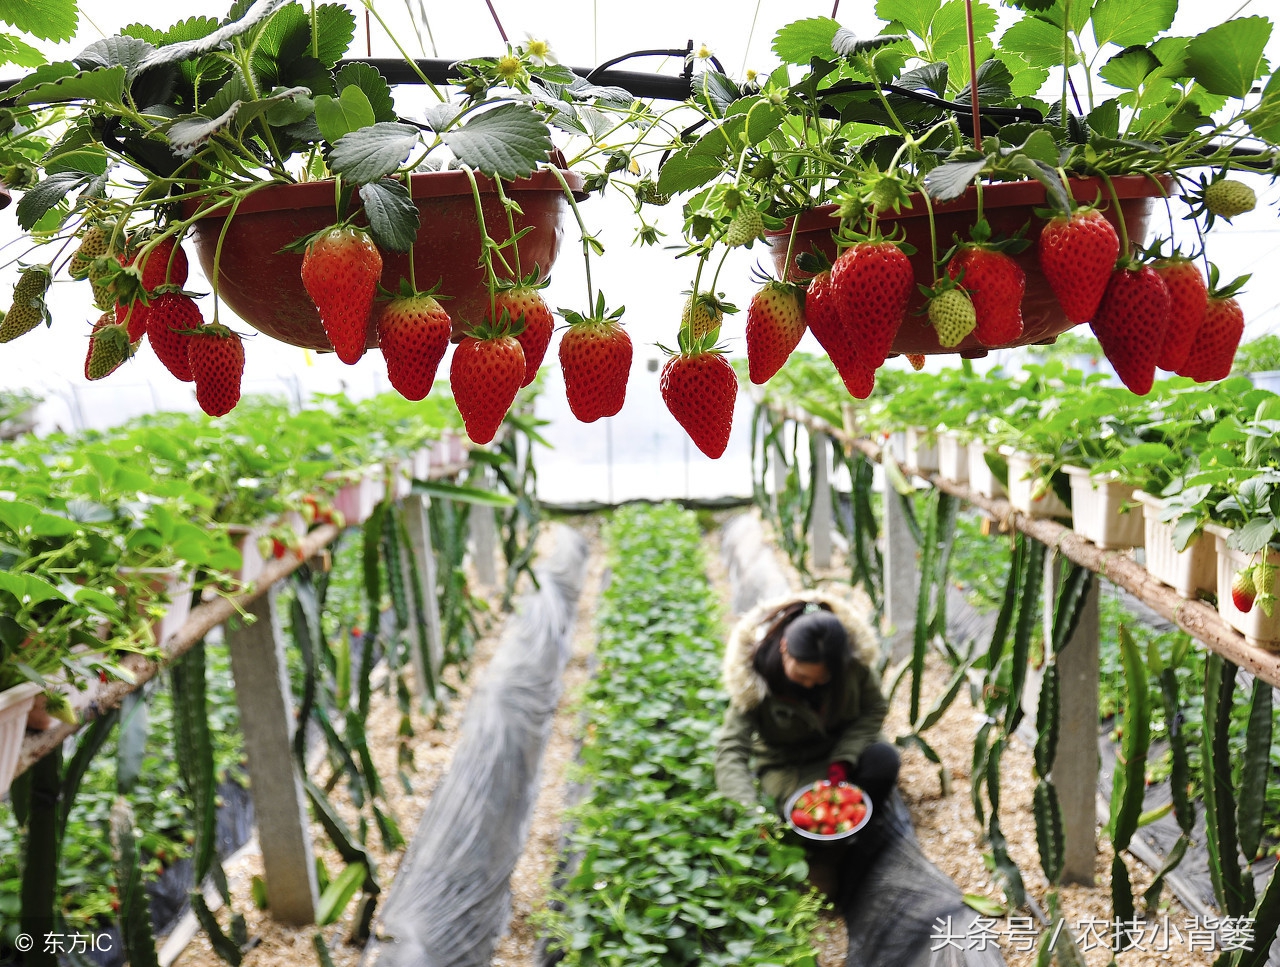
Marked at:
<point>1008,207</point>
<point>263,284</point>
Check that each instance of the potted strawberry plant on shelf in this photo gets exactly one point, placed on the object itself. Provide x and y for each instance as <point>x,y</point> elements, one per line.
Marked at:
<point>321,215</point>
<point>942,189</point>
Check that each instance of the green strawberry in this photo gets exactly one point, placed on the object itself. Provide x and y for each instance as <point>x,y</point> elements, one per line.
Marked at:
<point>93,244</point>
<point>29,308</point>
<point>1227,198</point>
<point>951,313</point>
<point>703,312</point>
<point>109,347</point>
<point>745,227</point>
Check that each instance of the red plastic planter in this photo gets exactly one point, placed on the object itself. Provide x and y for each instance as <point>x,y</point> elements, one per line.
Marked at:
<point>1007,206</point>
<point>263,285</point>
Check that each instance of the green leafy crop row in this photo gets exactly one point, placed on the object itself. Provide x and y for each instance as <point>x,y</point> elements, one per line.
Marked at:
<point>667,871</point>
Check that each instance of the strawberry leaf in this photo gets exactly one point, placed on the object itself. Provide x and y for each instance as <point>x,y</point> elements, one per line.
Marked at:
<point>374,85</point>
<point>373,152</point>
<point>800,42</point>
<point>393,217</point>
<point>508,141</point>
<point>44,196</point>
<point>339,116</point>
<point>1225,59</point>
<point>950,180</point>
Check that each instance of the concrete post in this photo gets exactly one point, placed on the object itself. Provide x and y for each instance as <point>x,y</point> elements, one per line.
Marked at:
<point>418,524</point>
<point>1075,768</point>
<point>484,541</point>
<point>267,722</point>
<point>901,575</point>
<point>822,520</point>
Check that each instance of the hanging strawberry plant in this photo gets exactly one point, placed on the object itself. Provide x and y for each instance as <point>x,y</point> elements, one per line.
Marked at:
<point>312,204</point>
<point>1013,164</point>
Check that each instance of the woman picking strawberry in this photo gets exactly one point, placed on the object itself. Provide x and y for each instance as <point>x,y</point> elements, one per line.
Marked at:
<point>805,705</point>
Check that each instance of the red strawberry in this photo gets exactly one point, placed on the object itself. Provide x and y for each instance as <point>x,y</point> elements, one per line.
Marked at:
<point>171,319</point>
<point>995,283</point>
<point>699,387</point>
<point>775,323</point>
<point>523,301</point>
<point>413,334</point>
<point>1213,349</point>
<point>109,347</point>
<point>217,363</point>
<point>1189,298</point>
<point>1243,590</point>
<point>1077,255</point>
<point>801,819</point>
<point>916,360</point>
<point>166,264</point>
<point>133,315</point>
<point>873,282</point>
<point>595,357</point>
<point>823,317</point>
<point>485,376</point>
<point>1130,324</point>
<point>340,271</point>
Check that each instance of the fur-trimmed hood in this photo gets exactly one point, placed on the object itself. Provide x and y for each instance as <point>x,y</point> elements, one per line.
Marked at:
<point>746,687</point>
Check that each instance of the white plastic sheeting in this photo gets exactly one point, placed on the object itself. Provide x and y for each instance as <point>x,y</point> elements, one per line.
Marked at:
<point>451,900</point>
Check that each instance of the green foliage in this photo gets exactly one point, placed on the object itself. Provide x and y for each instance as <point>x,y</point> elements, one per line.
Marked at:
<point>670,872</point>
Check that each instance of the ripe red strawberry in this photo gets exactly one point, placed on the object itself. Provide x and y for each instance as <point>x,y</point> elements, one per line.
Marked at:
<point>1130,324</point>
<point>166,264</point>
<point>340,271</point>
<point>873,282</point>
<point>523,302</point>
<point>822,314</point>
<point>775,323</point>
<point>413,334</point>
<point>485,375</point>
<point>801,819</point>
<point>595,357</point>
<point>995,283</point>
<point>216,356</point>
<point>109,347</point>
<point>1243,591</point>
<point>1188,300</point>
<point>699,387</point>
<point>133,316</point>
<point>171,319</point>
<point>1077,255</point>
<point>1213,350</point>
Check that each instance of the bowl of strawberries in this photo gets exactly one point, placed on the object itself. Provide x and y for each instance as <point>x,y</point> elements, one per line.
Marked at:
<point>828,811</point>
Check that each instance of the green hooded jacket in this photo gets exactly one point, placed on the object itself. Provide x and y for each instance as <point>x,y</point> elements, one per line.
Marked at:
<point>783,743</point>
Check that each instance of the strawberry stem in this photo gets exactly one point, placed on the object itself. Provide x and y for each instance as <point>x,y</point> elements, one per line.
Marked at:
<point>1125,254</point>
<point>582,229</point>
<point>507,206</point>
<point>486,243</point>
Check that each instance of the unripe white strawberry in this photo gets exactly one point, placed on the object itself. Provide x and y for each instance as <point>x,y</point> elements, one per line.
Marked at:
<point>1228,198</point>
<point>952,315</point>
